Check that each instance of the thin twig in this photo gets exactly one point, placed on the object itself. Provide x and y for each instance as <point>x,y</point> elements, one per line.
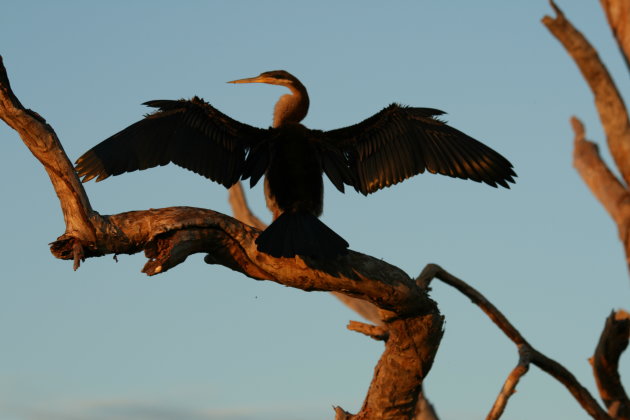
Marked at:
<point>553,368</point>
<point>240,208</point>
<point>509,387</point>
<point>376,332</point>
<point>610,106</point>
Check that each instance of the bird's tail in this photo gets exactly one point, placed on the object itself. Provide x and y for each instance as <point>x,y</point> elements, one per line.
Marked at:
<point>302,234</point>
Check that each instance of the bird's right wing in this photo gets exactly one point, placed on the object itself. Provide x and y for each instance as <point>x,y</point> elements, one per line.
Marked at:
<point>190,133</point>
<point>399,142</point>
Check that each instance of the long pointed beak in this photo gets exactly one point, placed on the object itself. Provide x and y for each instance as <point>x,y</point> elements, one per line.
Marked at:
<point>257,79</point>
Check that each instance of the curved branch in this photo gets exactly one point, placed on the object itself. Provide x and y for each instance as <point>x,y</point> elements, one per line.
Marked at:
<point>548,365</point>
<point>376,332</point>
<point>612,110</point>
<point>604,185</point>
<point>169,235</point>
<point>42,141</point>
<point>509,387</point>
<point>240,209</point>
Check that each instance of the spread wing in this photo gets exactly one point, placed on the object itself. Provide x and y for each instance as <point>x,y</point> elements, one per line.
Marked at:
<point>399,142</point>
<point>190,133</point>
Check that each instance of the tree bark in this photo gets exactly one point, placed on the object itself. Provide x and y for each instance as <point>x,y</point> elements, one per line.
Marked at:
<point>612,342</point>
<point>242,212</point>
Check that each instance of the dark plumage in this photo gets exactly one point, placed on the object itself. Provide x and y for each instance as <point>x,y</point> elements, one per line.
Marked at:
<point>387,148</point>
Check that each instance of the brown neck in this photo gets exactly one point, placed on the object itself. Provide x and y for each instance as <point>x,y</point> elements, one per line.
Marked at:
<point>291,108</point>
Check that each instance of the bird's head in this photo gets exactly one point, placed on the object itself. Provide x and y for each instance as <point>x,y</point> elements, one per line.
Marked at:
<point>290,108</point>
<point>274,77</point>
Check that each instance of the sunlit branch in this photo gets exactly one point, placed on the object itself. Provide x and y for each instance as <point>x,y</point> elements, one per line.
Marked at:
<point>612,110</point>
<point>509,387</point>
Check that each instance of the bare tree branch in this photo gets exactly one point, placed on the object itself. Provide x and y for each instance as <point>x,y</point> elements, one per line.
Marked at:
<point>42,141</point>
<point>598,177</point>
<point>424,410</point>
<point>548,365</point>
<point>509,387</point>
<point>612,110</point>
<point>240,209</point>
<point>611,192</point>
<point>242,212</point>
<point>169,235</point>
<point>604,185</point>
<point>612,342</point>
<point>341,414</point>
<point>376,332</point>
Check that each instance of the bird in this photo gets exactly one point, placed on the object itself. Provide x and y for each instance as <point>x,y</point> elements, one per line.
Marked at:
<point>392,145</point>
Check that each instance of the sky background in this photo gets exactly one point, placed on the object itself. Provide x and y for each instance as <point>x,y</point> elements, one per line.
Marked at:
<point>202,342</point>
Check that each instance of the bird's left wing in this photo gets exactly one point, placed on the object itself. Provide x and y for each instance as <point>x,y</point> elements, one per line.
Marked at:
<point>399,142</point>
<point>190,133</point>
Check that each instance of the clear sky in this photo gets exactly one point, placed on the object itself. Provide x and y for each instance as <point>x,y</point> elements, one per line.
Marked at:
<point>204,343</point>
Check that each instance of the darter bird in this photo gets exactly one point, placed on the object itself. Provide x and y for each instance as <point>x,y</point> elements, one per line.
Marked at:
<point>385,149</point>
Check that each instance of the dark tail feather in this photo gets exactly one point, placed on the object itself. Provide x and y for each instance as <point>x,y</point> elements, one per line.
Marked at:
<point>303,234</point>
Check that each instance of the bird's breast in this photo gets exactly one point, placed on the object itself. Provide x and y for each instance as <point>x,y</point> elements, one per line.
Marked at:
<point>294,175</point>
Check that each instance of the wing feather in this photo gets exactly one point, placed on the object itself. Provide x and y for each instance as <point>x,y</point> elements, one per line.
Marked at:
<point>400,142</point>
<point>190,133</point>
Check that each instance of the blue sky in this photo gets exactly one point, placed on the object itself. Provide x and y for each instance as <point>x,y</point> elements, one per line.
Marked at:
<point>202,342</point>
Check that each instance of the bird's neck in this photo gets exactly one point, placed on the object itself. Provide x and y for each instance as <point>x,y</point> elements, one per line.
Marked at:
<point>292,107</point>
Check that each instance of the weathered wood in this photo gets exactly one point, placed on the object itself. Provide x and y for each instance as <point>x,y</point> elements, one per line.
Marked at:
<point>509,387</point>
<point>242,212</point>
<point>612,342</point>
<point>42,141</point>
<point>410,350</point>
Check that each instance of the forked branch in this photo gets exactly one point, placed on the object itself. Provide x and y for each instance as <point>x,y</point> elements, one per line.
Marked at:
<point>527,353</point>
<point>509,387</point>
<point>612,110</point>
